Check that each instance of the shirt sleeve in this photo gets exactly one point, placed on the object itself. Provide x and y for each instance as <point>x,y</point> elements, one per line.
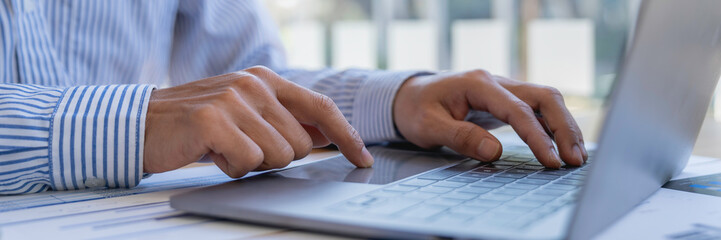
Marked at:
<point>71,138</point>
<point>209,41</point>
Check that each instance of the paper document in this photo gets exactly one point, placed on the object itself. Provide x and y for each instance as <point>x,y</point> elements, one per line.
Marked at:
<point>673,214</point>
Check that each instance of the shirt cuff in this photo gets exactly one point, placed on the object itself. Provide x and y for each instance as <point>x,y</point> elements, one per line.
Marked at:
<point>97,134</point>
<point>373,105</point>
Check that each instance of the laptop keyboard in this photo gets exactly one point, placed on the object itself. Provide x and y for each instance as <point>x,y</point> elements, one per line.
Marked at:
<point>512,192</point>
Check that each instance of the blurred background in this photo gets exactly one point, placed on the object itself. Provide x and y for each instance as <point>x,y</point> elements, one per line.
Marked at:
<point>530,40</point>
<point>573,45</point>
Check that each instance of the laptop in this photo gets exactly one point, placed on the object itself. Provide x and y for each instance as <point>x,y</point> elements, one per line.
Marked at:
<point>655,113</point>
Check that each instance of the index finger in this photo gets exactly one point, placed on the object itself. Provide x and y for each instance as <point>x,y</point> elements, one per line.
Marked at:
<point>320,111</point>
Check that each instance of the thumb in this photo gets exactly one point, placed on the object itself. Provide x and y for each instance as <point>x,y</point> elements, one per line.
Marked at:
<point>471,140</point>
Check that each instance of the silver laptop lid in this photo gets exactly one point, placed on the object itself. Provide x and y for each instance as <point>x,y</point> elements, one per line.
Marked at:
<point>657,107</point>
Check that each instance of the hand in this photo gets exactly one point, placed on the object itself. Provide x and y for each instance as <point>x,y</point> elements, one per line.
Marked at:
<point>429,111</point>
<point>244,121</point>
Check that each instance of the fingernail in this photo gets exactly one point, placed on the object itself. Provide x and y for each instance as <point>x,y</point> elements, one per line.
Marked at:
<point>577,152</point>
<point>555,158</point>
<point>367,158</point>
<point>488,149</point>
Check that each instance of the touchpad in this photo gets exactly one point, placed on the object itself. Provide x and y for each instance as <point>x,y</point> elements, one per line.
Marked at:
<point>390,165</point>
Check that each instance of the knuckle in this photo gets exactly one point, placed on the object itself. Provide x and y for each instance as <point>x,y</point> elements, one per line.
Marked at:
<point>552,93</point>
<point>249,82</point>
<point>324,103</point>
<point>521,106</point>
<point>228,95</point>
<point>258,69</point>
<point>479,74</point>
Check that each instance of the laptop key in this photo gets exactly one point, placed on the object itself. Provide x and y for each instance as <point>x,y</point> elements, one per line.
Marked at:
<point>462,179</point>
<point>530,167</point>
<point>528,204</point>
<point>521,171</point>
<point>449,184</point>
<point>507,163</point>
<point>516,159</point>
<point>514,208</point>
<point>533,181</point>
<point>543,176</point>
<point>434,189</point>
<point>500,179</point>
<point>511,191</point>
<point>569,182</point>
<point>494,166</point>
<point>476,175</point>
<point>557,172</point>
<point>475,190</point>
<point>534,163</point>
<point>487,184</point>
<point>550,192</point>
<point>561,187</point>
<point>576,177</point>
<point>523,186</point>
<point>538,198</point>
<point>460,196</point>
<point>418,182</point>
<point>483,203</point>
<point>497,197</point>
<point>487,170</point>
<point>511,175</point>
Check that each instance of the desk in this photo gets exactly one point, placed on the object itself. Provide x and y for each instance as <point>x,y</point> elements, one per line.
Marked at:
<point>589,120</point>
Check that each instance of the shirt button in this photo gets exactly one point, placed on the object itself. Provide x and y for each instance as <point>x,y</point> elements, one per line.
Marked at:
<point>94,182</point>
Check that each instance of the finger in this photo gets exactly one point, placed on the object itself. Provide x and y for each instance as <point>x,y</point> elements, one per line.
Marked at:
<point>234,152</point>
<point>469,139</point>
<point>490,96</point>
<point>319,140</point>
<point>320,112</point>
<point>277,151</point>
<point>284,122</point>
<point>556,117</point>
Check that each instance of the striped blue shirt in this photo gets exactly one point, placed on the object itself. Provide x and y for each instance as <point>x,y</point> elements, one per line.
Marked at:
<point>76,76</point>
